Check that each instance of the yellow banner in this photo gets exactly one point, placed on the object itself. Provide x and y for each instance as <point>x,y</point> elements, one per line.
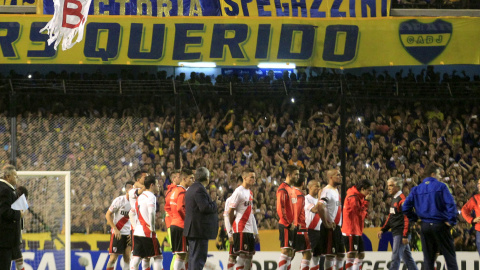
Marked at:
<point>347,43</point>
<point>17,3</point>
<point>306,8</point>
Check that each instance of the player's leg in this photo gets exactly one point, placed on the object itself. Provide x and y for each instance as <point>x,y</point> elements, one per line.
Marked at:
<point>137,252</point>
<point>232,260</point>
<point>158,262</point>
<point>286,244</point>
<point>305,264</point>
<point>358,264</point>
<point>174,258</point>
<point>179,247</point>
<point>126,257</point>
<point>157,256</point>
<point>327,248</point>
<point>111,261</point>
<point>314,237</point>
<point>351,250</point>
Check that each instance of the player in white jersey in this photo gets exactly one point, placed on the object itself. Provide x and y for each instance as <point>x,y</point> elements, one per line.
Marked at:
<point>232,255</point>
<point>145,244</point>
<point>118,219</point>
<point>313,221</point>
<point>330,211</point>
<point>242,220</point>
<point>133,194</point>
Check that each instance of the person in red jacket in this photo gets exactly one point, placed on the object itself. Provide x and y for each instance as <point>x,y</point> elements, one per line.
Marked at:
<point>473,205</point>
<point>354,213</point>
<point>286,200</point>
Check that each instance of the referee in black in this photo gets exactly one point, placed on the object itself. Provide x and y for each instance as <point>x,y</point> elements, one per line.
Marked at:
<point>434,205</point>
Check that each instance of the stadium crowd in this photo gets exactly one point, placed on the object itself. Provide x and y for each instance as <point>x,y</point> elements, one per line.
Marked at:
<point>103,141</point>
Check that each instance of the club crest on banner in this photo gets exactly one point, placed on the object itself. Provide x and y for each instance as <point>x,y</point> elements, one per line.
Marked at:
<point>425,41</point>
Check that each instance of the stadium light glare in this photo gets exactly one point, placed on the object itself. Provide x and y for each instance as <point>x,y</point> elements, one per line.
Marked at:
<point>277,65</point>
<point>197,64</point>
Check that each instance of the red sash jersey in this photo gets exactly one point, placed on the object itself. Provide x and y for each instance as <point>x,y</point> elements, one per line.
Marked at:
<point>285,201</point>
<point>299,209</point>
<point>168,209</point>
<point>472,205</point>
<point>354,212</point>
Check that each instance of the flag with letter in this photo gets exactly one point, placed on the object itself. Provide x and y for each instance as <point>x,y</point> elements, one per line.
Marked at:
<point>68,21</point>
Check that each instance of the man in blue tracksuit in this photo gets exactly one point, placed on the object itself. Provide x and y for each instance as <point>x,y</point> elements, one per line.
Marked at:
<point>432,202</point>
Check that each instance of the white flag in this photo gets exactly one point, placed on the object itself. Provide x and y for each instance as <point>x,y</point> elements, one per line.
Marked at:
<point>21,203</point>
<point>68,21</point>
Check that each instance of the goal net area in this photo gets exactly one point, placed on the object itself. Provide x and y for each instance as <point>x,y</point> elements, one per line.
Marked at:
<point>46,224</point>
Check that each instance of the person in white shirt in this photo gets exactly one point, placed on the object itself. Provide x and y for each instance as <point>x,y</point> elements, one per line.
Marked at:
<point>232,255</point>
<point>313,220</point>
<point>330,211</point>
<point>118,219</point>
<point>145,241</point>
<point>242,220</point>
<point>133,194</point>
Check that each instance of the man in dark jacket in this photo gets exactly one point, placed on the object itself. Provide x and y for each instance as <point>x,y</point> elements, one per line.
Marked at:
<point>201,220</point>
<point>9,218</point>
<point>399,224</point>
<point>434,205</point>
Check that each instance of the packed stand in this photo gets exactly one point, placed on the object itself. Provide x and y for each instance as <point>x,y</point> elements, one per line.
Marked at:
<point>103,142</point>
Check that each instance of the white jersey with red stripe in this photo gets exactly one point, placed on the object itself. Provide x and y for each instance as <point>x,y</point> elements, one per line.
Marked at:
<point>120,208</point>
<point>132,198</point>
<point>331,199</point>
<point>242,200</point>
<point>312,220</point>
<point>145,200</point>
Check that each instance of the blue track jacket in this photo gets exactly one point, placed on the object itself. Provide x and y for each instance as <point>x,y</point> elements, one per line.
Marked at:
<point>432,201</point>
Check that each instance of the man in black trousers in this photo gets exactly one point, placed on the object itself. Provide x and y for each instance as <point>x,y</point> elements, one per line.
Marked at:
<point>201,219</point>
<point>9,218</point>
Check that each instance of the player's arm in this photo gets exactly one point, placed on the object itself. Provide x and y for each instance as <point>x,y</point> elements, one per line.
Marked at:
<point>467,210</point>
<point>408,205</point>
<point>181,205</point>
<point>109,217</point>
<point>151,214</point>
<point>255,229</point>
<point>231,216</point>
<point>283,201</point>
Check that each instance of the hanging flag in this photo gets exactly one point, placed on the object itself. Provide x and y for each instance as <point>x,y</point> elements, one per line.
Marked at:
<point>68,21</point>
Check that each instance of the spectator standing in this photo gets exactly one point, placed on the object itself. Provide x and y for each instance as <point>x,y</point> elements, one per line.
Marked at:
<point>201,220</point>
<point>473,205</point>
<point>398,223</point>
<point>433,204</point>
<point>354,213</point>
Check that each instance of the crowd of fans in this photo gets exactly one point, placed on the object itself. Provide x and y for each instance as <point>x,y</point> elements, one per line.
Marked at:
<point>103,141</point>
